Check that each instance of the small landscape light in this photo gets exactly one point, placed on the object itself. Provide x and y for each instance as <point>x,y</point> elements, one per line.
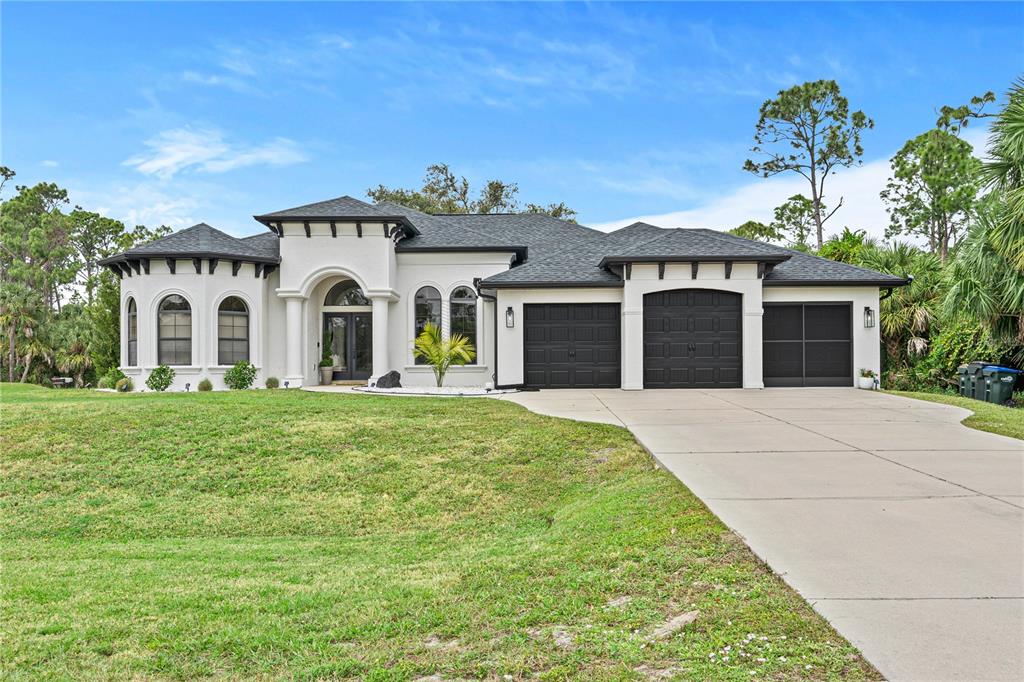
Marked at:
<point>286,384</point>
<point>186,387</point>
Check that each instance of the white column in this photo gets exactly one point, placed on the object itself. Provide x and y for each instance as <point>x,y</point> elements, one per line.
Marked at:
<point>293,340</point>
<point>380,336</point>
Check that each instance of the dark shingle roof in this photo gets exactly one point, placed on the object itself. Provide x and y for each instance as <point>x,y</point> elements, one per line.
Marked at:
<point>580,264</point>
<point>331,208</point>
<point>203,241</point>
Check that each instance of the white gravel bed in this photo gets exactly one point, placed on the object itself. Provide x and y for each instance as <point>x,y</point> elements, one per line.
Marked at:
<point>466,391</point>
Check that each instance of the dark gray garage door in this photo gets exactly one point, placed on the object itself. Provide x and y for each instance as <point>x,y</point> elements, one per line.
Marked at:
<point>692,339</point>
<point>571,345</point>
<point>808,344</point>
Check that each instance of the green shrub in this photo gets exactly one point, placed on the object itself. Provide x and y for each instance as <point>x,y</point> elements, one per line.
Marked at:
<point>110,379</point>
<point>205,385</point>
<point>272,382</point>
<point>124,385</point>
<point>241,376</point>
<point>160,378</point>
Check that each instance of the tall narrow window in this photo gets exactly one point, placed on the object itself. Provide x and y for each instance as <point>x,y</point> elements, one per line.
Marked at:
<point>133,333</point>
<point>462,314</point>
<point>174,331</point>
<point>428,311</point>
<point>232,331</point>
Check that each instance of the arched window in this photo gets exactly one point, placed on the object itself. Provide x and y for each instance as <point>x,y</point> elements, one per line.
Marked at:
<point>346,293</point>
<point>133,333</point>
<point>232,331</point>
<point>462,314</point>
<point>428,310</point>
<point>174,331</point>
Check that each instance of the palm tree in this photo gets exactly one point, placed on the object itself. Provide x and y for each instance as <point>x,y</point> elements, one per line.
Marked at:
<point>77,360</point>
<point>17,310</point>
<point>441,353</point>
<point>986,285</point>
<point>908,318</point>
<point>1004,171</point>
<point>31,348</point>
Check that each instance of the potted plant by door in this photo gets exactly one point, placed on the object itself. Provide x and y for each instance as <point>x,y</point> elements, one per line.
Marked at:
<point>867,379</point>
<point>326,371</point>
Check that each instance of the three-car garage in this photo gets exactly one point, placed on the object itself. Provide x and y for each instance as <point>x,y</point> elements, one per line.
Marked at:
<point>692,338</point>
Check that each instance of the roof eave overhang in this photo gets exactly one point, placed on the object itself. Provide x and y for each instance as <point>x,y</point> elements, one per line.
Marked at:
<point>126,257</point>
<point>881,283</point>
<point>271,221</point>
<point>619,260</point>
<point>550,285</point>
<point>519,251</point>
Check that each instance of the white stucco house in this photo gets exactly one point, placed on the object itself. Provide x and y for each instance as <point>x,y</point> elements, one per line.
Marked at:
<point>548,303</point>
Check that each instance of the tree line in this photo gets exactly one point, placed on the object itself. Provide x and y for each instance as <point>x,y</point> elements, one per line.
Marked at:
<point>59,310</point>
<point>966,300</point>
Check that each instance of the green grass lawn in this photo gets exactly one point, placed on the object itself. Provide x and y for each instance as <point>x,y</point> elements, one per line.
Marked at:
<point>285,534</point>
<point>1006,421</point>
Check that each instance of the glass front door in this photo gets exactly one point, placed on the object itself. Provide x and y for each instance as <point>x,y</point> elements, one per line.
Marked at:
<point>348,340</point>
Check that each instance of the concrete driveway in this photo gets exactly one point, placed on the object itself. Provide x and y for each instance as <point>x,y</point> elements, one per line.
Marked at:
<point>902,527</point>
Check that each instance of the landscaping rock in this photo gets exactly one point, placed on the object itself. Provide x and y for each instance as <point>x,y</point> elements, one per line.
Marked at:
<point>392,379</point>
<point>434,642</point>
<point>619,602</point>
<point>673,625</point>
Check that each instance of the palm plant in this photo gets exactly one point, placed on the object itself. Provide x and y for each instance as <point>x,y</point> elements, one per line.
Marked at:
<point>32,348</point>
<point>986,285</point>
<point>441,353</point>
<point>17,316</point>
<point>908,318</point>
<point>1004,171</point>
<point>75,359</point>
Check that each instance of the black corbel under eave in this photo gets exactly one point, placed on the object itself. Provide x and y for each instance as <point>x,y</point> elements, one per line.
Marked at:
<point>661,270</point>
<point>280,230</point>
<point>213,265</point>
<point>628,270</point>
<point>145,265</point>
<point>258,268</point>
<point>334,229</point>
<point>694,266</point>
<point>197,263</point>
<point>305,226</point>
<point>267,269</point>
<point>135,266</point>
<point>235,265</point>
<point>359,229</point>
<point>760,270</point>
<point>386,230</point>
<point>171,263</point>
<point>728,269</point>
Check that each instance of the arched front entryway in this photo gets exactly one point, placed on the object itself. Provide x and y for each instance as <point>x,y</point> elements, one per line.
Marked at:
<point>693,339</point>
<point>346,339</point>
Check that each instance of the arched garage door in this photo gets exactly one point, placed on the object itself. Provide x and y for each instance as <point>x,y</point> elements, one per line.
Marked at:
<point>693,339</point>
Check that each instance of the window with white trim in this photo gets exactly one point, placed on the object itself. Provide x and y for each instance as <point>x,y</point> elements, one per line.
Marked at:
<point>232,331</point>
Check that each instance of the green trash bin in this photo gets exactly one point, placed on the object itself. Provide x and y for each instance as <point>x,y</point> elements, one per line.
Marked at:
<point>999,383</point>
<point>975,382</point>
<point>966,387</point>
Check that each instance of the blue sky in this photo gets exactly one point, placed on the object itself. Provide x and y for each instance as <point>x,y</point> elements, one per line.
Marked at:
<point>181,112</point>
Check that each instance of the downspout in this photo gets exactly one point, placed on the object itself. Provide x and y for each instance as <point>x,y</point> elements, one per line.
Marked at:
<point>494,300</point>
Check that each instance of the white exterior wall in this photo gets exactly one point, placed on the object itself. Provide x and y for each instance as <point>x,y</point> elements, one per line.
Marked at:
<point>204,292</point>
<point>644,280</point>
<point>445,272</point>
<point>867,352</point>
<point>510,340</point>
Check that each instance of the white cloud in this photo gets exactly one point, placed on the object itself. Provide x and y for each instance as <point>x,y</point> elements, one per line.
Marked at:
<point>205,150</point>
<point>859,188</point>
<point>140,204</point>
<point>49,163</point>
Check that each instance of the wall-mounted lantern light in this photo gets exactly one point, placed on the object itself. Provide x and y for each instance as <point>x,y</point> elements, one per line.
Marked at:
<point>186,387</point>
<point>510,317</point>
<point>869,317</point>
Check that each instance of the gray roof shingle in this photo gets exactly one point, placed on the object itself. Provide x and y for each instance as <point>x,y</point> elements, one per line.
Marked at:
<point>204,241</point>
